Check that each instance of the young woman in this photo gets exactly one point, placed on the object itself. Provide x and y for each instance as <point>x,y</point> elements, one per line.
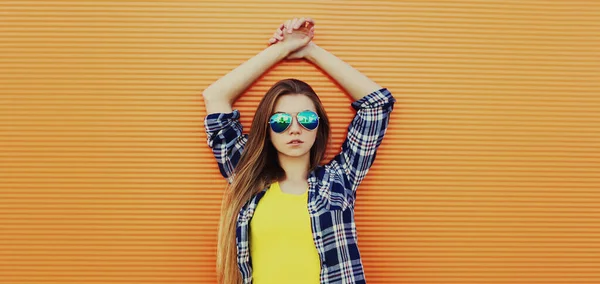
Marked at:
<point>302,230</point>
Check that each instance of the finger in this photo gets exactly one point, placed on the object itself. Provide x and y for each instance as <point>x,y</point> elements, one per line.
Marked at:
<point>287,24</point>
<point>299,23</point>
<point>281,28</point>
<point>310,21</point>
<point>292,25</point>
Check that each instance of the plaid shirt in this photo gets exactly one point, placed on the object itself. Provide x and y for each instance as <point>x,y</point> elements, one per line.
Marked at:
<point>332,187</point>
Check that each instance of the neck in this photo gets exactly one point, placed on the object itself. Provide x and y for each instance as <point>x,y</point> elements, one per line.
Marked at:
<point>296,168</point>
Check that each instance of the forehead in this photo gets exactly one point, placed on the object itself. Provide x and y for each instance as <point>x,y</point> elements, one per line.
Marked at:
<point>293,103</point>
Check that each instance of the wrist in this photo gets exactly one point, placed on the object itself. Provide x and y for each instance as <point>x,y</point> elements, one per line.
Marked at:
<point>281,51</point>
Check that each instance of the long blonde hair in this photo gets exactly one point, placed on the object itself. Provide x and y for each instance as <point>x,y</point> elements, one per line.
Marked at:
<point>257,168</point>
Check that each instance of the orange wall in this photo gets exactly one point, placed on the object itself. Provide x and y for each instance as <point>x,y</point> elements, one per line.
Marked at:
<point>489,172</point>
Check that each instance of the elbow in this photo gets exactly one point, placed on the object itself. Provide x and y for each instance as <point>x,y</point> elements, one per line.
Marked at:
<point>208,96</point>
<point>209,92</point>
<point>214,97</point>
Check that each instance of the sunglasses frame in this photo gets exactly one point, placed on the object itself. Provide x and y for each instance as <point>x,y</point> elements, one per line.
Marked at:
<point>296,116</point>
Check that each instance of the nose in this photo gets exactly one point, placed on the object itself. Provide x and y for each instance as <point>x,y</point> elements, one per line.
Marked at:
<point>295,127</point>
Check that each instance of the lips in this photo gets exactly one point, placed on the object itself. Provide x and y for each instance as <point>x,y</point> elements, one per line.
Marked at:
<point>296,140</point>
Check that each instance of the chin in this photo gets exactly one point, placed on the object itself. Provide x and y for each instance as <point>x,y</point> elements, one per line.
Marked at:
<point>295,153</point>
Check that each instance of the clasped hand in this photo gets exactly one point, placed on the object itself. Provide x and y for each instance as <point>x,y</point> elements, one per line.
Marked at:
<point>296,37</point>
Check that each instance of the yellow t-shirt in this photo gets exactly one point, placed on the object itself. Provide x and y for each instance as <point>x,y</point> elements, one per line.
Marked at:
<point>281,243</point>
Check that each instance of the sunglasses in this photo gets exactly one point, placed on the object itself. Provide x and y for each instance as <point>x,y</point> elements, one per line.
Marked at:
<point>281,121</point>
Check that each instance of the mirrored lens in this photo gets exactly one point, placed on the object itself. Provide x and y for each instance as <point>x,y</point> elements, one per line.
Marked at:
<point>280,122</point>
<point>308,119</point>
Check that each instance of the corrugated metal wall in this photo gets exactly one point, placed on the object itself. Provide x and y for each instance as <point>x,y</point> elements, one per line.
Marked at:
<point>489,173</point>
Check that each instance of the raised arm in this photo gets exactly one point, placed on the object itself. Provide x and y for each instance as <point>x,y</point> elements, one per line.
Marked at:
<point>373,105</point>
<point>224,132</point>
<point>354,82</point>
<point>221,94</point>
<point>368,127</point>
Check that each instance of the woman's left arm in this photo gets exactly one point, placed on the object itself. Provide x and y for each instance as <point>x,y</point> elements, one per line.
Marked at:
<point>373,105</point>
<point>354,82</point>
<point>365,133</point>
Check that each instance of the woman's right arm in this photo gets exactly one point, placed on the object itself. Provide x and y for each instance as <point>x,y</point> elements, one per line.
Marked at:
<point>221,94</point>
<point>224,132</point>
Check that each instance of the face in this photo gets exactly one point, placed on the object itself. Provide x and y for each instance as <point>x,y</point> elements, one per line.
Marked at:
<point>293,104</point>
